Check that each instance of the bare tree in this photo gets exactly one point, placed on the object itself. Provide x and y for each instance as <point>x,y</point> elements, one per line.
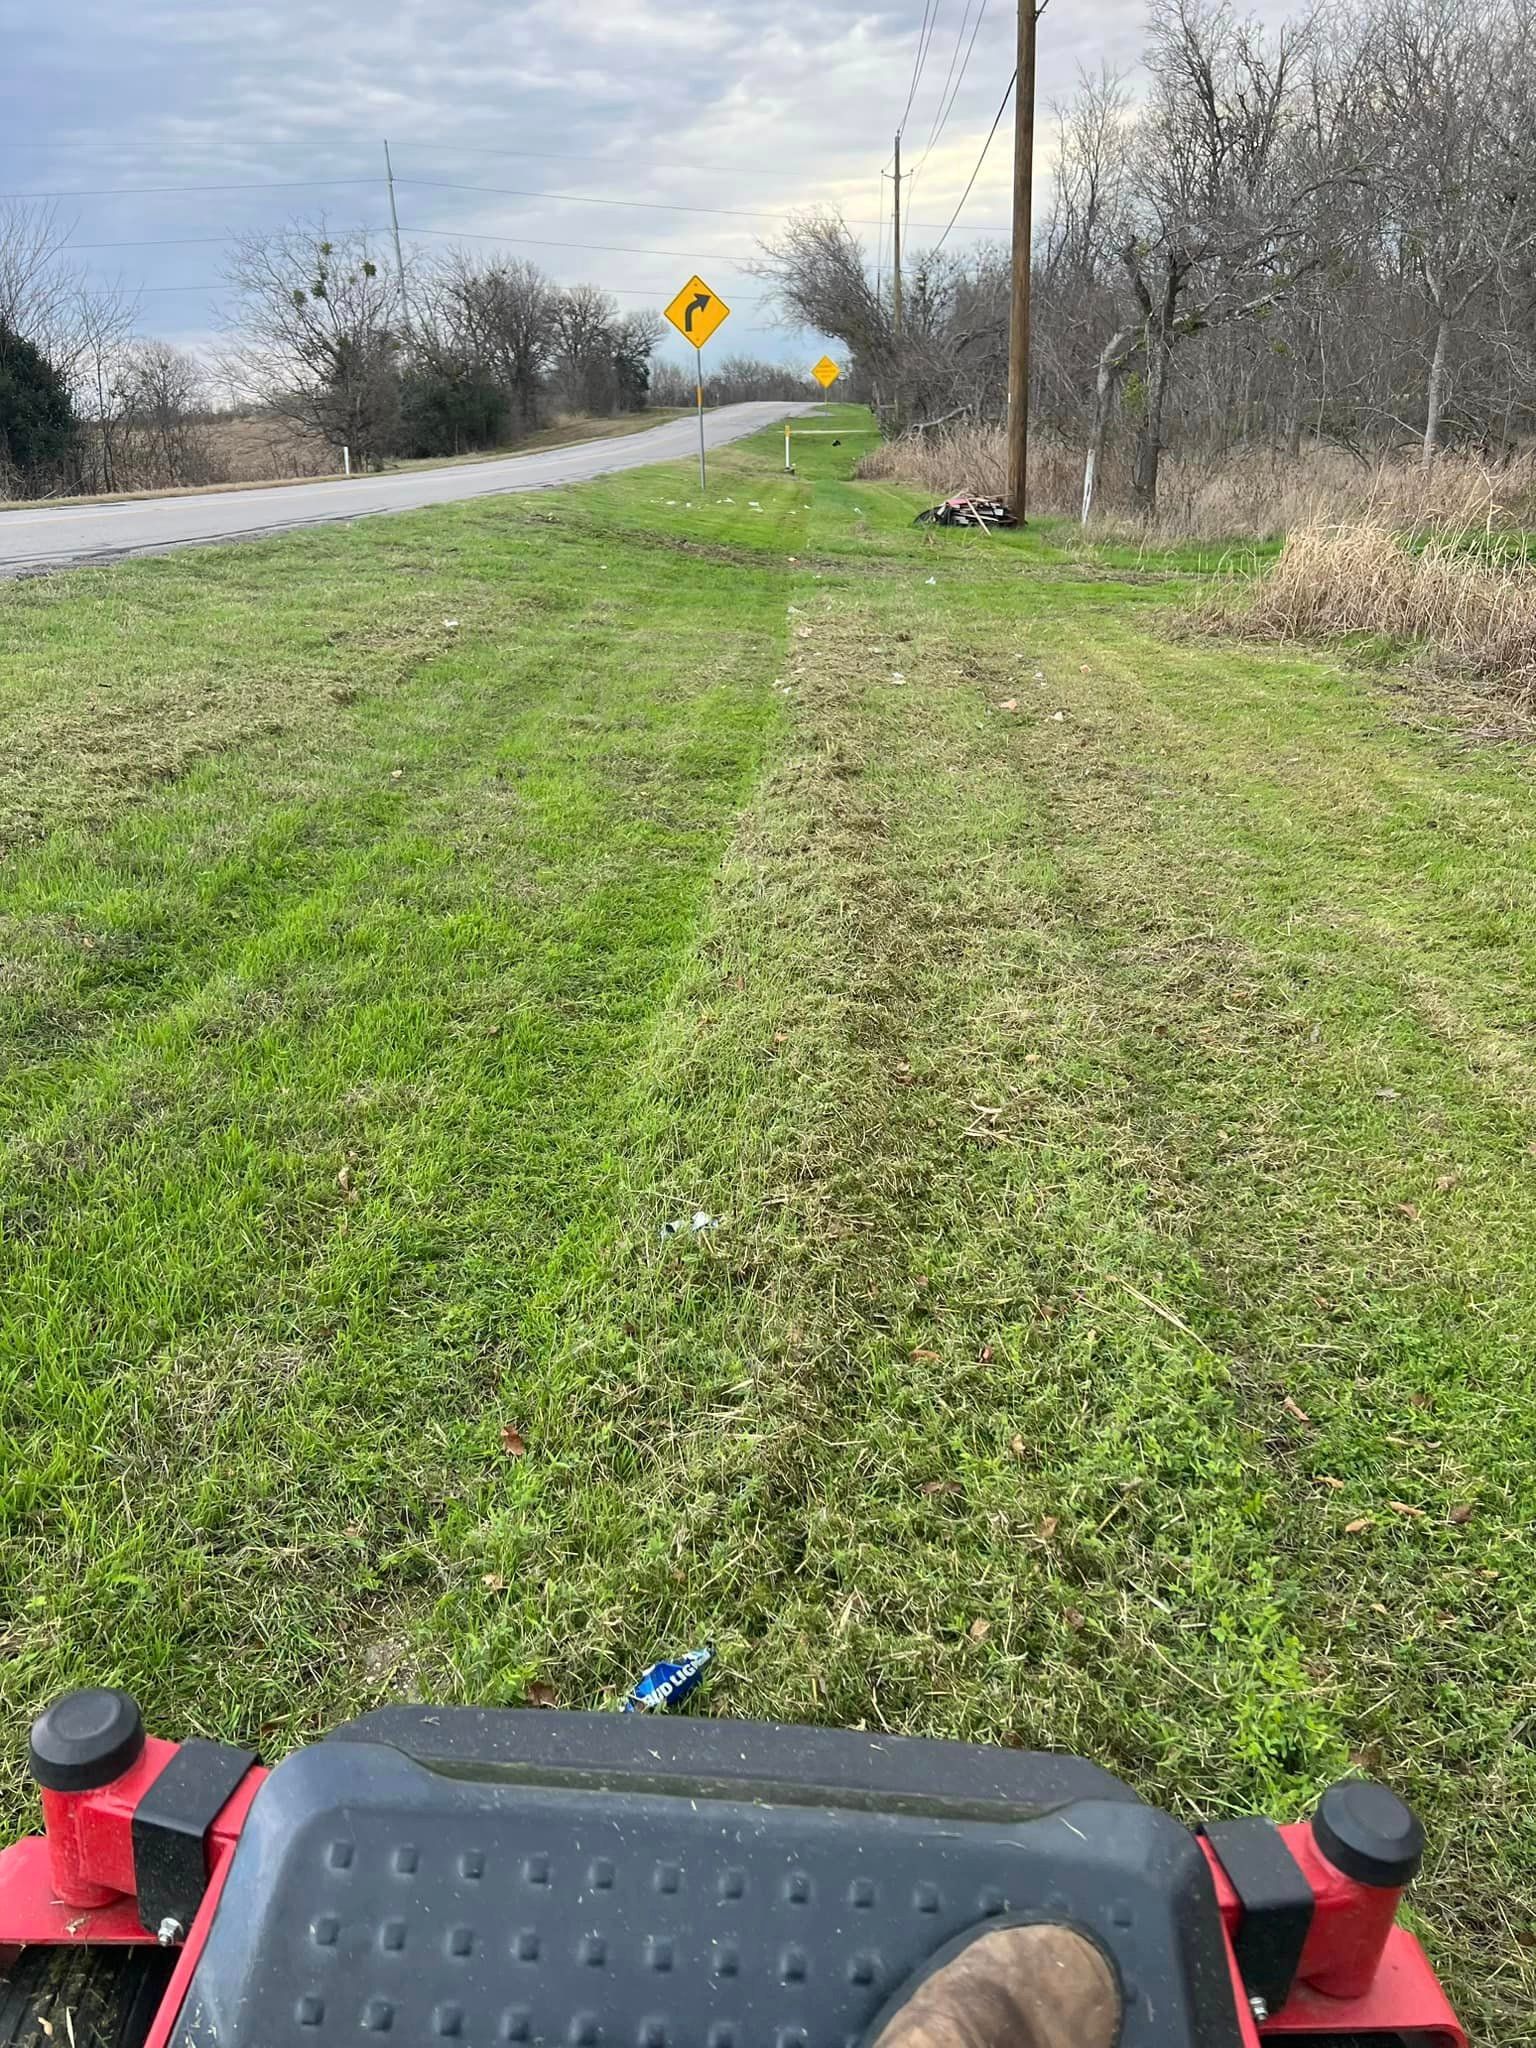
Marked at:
<point>731,381</point>
<point>1449,111</point>
<point>820,280</point>
<point>319,335</point>
<point>164,396</point>
<point>1224,195</point>
<point>35,283</point>
<point>1090,222</point>
<point>1324,231</point>
<point>502,314</point>
<point>92,331</point>
<point>586,319</point>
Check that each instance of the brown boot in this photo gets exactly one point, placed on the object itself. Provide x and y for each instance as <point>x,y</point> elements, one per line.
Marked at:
<point>1011,1987</point>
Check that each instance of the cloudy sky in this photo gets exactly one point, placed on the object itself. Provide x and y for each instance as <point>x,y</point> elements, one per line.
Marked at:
<point>622,142</point>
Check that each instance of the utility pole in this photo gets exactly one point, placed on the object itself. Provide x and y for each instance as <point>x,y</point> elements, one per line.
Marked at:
<point>896,254</point>
<point>896,292</point>
<point>394,224</point>
<point>1023,234</point>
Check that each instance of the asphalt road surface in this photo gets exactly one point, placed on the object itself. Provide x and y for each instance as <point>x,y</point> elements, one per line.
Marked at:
<point>38,538</point>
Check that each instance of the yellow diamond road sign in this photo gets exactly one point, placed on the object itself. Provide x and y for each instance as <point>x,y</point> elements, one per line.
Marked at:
<point>697,311</point>
<point>826,373</point>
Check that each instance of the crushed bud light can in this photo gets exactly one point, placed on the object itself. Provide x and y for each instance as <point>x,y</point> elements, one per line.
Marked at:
<point>667,1684</point>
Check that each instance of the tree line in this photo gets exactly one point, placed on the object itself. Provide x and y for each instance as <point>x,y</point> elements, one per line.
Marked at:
<point>451,357</point>
<point>327,338</point>
<point>1323,232</point>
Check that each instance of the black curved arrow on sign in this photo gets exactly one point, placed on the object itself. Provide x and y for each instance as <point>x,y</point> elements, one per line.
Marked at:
<point>695,305</point>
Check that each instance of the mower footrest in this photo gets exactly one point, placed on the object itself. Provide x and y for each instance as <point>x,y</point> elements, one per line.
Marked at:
<point>371,1894</point>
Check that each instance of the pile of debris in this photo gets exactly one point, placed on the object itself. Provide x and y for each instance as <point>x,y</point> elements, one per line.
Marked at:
<point>967,511</point>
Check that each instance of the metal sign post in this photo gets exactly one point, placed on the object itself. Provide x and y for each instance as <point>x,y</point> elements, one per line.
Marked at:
<point>698,357</point>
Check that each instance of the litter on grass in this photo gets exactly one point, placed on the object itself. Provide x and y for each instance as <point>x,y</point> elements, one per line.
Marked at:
<point>667,1684</point>
<point>699,1220</point>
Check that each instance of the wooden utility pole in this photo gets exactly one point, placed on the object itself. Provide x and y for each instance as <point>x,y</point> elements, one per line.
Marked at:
<point>1023,234</point>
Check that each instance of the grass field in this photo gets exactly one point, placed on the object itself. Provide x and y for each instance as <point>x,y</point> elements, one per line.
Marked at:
<point>1109,1051</point>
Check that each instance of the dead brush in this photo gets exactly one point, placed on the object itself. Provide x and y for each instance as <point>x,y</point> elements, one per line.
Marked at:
<point>1246,493</point>
<point>1465,595</point>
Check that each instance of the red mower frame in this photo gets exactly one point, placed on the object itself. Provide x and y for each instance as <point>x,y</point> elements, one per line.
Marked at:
<point>1358,1973</point>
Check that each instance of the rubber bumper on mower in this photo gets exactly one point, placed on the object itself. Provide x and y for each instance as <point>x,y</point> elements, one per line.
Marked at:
<point>611,1881</point>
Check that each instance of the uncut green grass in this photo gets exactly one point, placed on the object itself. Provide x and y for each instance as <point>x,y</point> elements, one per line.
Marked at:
<point>1121,1123</point>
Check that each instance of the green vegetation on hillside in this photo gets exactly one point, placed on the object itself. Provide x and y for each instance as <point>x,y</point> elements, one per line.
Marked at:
<point>1107,1051</point>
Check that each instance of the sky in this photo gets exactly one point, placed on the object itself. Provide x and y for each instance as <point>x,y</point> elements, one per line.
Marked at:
<point>625,143</point>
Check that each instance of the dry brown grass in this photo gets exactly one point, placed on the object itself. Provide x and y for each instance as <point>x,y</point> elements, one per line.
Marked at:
<point>1246,493</point>
<point>258,448</point>
<point>1461,595</point>
<point>1385,551</point>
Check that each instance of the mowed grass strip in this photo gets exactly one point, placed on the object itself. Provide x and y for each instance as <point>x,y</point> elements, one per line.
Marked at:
<point>1108,1054</point>
<point>311,1063</point>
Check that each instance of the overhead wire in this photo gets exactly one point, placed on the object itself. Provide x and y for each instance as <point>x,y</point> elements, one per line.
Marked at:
<point>954,55</point>
<point>431,185</point>
<point>970,182</point>
<point>642,205</point>
<point>130,191</point>
<point>449,234</point>
<point>946,108</point>
<point>925,31</point>
<point>541,242</point>
<point>562,156</point>
<point>627,291</point>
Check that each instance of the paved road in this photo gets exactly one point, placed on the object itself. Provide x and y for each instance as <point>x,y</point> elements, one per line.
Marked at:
<point>55,538</point>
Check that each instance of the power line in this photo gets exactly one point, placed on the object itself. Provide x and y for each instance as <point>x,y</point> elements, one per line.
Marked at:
<point>258,185</point>
<point>591,199</point>
<point>603,248</point>
<point>642,205</point>
<point>627,291</point>
<point>946,108</point>
<point>553,156</point>
<point>938,111</point>
<point>447,234</point>
<point>434,185</point>
<point>996,120</point>
<point>925,31</point>
<point>172,241</point>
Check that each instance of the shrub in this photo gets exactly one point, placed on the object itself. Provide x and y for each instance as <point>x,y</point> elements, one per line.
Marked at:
<point>447,414</point>
<point>38,427</point>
